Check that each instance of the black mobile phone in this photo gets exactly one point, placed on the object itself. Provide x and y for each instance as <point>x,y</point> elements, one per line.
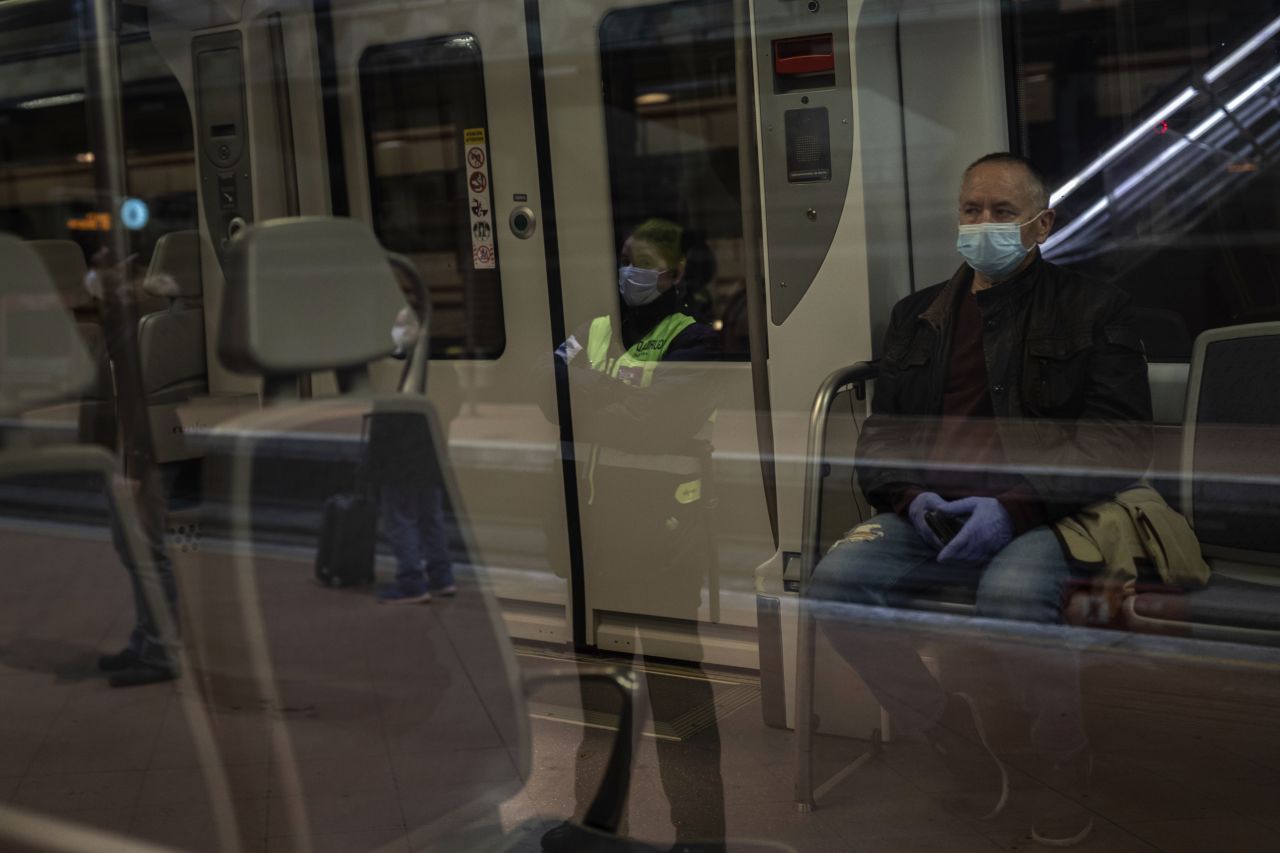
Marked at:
<point>944,526</point>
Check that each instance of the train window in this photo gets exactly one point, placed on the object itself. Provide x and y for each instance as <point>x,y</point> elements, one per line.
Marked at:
<point>1157,124</point>
<point>46,165</point>
<point>671,113</point>
<point>422,100</point>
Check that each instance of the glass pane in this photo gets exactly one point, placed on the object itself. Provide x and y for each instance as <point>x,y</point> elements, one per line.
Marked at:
<point>420,99</point>
<point>46,169</point>
<point>1157,123</point>
<point>671,112</point>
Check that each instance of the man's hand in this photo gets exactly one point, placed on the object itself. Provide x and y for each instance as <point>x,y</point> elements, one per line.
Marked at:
<point>988,529</point>
<point>921,504</point>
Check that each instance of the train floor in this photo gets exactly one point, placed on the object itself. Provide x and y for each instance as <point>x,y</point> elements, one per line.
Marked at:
<point>376,761</point>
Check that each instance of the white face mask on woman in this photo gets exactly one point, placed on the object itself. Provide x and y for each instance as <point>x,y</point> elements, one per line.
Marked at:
<point>638,286</point>
<point>994,248</point>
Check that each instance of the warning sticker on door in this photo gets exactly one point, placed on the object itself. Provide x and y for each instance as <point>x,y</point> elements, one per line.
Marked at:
<point>476,155</point>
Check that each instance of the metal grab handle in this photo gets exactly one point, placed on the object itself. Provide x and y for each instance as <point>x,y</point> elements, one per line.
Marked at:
<point>857,375</point>
<point>415,381</point>
<point>606,810</point>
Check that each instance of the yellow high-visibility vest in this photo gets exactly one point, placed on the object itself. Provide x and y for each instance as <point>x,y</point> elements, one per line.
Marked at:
<point>635,367</point>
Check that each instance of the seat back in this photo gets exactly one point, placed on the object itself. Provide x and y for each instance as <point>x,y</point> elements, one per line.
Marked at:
<point>43,359</point>
<point>64,261</point>
<point>367,705</point>
<point>308,294</point>
<point>1231,443</point>
<point>171,342</point>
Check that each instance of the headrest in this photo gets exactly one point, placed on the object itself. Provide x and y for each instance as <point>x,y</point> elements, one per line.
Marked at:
<point>42,356</point>
<point>175,266</point>
<point>307,294</point>
<point>64,260</point>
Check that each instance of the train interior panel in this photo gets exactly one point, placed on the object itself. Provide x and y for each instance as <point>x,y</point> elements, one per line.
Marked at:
<point>638,425</point>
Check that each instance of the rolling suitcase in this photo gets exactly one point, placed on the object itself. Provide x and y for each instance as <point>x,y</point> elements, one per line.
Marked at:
<point>349,532</point>
<point>348,536</point>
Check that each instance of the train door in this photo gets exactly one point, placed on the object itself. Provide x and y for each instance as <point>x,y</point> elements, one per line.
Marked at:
<point>437,154</point>
<point>649,120</point>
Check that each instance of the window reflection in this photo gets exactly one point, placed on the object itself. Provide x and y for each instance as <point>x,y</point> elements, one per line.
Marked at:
<point>671,112</point>
<point>1157,124</point>
<point>46,165</point>
<point>423,103</point>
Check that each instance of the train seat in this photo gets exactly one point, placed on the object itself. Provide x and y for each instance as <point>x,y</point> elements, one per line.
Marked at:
<point>1230,468</point>
<point>94,414</point>
<point>171,341</point>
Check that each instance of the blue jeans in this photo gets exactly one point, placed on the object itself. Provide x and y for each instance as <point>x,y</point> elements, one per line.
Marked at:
<point>885,563</point>
<point>413,522</point>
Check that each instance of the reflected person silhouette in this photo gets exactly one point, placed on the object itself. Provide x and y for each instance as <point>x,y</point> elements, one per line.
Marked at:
<point>411,498</point>
<point>644,405</point>
<point>144,659</point>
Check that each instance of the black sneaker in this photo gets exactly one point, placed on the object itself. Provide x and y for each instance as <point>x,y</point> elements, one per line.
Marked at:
<point>980,780</point>
<point>141,674</point>
<point>123,659</point>
<point>1061,819</point>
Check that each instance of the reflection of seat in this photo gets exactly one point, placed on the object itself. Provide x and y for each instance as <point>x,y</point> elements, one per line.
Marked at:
<point>429,700</point>
<point>43,359</point>
<point>171,341</point>
<point>64,259</point>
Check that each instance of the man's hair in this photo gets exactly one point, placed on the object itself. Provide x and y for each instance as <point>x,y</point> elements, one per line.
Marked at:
<point>1039,185</point>
<point>665,236</point>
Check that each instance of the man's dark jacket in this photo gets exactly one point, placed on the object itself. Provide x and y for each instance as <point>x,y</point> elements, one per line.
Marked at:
<point>1066,374</point>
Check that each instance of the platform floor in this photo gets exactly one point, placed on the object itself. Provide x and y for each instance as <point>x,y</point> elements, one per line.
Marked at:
<point>1187,754</point>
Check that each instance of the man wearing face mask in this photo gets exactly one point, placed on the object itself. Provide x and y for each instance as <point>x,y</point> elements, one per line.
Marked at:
<point>1008,397</point>
<point>644,403</point>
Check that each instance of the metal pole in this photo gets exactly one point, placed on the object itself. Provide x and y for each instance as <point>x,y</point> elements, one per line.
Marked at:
<point>753,273</point>
<point>100,55</point>
<point>99,28</point>
<point>284,130</point>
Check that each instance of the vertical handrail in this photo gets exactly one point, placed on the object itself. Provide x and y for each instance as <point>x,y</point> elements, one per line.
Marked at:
<point>753,273</point>
<point>284,132</point>
<point>100,58</point>
<point>284,114</point>
<point>815,459</point>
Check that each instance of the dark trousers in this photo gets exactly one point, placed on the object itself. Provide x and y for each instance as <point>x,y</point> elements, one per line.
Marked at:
<point>145,638</point>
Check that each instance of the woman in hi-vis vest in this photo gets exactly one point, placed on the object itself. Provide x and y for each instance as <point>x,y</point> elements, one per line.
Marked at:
<point>644,403</point>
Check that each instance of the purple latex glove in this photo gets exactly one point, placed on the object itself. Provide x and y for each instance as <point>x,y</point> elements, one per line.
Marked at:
<point>921,504</point>
<point>988,529</point>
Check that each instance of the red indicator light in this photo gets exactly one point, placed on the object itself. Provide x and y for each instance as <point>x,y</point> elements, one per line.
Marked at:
<point>1162,128</point>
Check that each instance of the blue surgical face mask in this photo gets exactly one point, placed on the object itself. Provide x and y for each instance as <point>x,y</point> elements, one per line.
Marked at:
<point>638,286</point>
<point>994,248</point>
